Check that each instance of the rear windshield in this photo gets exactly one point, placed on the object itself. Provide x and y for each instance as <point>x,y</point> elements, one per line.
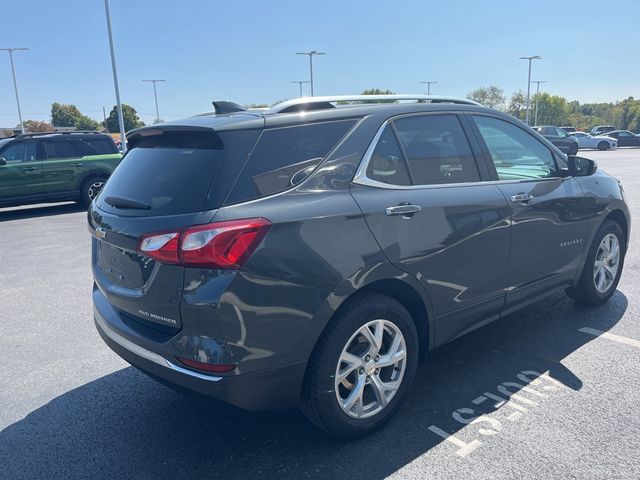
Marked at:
<point>174,173</point>
<point>283,152</point>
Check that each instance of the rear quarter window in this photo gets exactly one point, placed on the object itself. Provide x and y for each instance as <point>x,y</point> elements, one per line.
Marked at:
<point>281,153</point>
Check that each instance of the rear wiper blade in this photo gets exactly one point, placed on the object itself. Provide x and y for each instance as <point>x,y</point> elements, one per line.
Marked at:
<point>124,202</point>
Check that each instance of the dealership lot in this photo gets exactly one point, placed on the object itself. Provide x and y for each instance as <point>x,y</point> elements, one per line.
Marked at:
<point>566,381</point>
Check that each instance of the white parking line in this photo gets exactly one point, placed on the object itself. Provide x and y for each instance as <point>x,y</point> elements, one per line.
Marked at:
<point>611,336</point>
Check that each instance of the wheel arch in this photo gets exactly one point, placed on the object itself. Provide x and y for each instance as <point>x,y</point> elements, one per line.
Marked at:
<point>96,172</point>
<point>620,218</point>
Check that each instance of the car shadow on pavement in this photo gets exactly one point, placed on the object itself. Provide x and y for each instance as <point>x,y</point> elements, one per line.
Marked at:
<point>40,210</point>
<point>125,425</point>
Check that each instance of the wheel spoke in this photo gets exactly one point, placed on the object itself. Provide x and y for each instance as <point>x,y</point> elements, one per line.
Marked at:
<point>394,355</point>
<point>355,395</point>
<point>374,338</point>
<point>379,389</point>
<point>352,361</point>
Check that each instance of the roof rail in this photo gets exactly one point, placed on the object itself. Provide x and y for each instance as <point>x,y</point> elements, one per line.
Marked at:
<point>321,103</point>
<point>37,134</point>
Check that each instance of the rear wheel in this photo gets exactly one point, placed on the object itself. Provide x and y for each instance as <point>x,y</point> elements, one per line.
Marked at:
<point>362,367</point>
<point>90,189</point>
<point>603,145</point>
<point>603,266</point>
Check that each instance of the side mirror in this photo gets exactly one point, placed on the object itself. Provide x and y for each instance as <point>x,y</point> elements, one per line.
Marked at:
<point>3,162</point>
<point>580,166</point>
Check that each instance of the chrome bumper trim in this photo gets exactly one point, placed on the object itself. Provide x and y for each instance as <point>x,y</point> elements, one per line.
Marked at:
<point>148,354</point>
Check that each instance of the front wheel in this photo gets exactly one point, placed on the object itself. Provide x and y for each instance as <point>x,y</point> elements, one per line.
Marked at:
<point>362,367</point>
<point>573,150</point>
<point>604,145</point>
<point>603,266</point>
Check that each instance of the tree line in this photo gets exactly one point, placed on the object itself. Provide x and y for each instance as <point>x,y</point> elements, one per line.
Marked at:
<point>557,110</point>
<point>68,115</point>
<point>554,109</point>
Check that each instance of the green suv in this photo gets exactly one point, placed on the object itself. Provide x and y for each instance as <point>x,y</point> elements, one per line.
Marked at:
<point>55,167</point>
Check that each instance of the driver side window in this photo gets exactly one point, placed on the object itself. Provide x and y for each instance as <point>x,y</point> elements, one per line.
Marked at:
<point>516,154</point>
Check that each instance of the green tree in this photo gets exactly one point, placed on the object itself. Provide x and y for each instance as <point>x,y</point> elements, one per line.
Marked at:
<point>517,104</point>
<point>68,115</point>
<point>552,109</point>
<point>130,117</point>
<point>491,96</point>
<point>86,123</point>
<point>36,126</point>
<point>63,115</point>
<point>377,91</point>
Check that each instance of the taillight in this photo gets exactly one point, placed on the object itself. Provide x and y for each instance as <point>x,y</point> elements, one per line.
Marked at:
<point>160,246</point>
<point>225,245</point>
<point>208,367</point>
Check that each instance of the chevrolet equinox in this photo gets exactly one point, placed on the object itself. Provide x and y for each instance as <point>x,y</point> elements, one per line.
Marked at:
<point>308,255</point>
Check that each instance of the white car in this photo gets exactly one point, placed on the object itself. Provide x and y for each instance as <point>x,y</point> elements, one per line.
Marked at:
<point>601,142</point>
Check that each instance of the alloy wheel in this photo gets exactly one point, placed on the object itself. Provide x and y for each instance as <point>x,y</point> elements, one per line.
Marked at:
<point>606,264</point>
<point>94,189</point>
<point>370,369</point>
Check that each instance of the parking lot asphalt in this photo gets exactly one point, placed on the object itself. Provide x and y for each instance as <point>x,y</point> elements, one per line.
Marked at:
<point>70,408</point>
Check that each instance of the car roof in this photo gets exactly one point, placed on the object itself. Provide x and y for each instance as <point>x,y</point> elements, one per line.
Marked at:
<point>254,119</point>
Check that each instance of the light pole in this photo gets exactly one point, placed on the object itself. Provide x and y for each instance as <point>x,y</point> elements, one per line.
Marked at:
<point>537,82</point>
<point>428,86</point>
<point>534,57</point>
<point>300,82</point>
<point>123,138</point>
<point>155,95</point>
<point>15,84</point>
<point>311,53</point>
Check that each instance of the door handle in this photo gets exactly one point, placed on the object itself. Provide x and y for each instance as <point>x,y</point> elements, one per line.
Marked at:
<point>404,210</point>
<point>31,169</point>
<point>521,197</point>
<point>77,165</point>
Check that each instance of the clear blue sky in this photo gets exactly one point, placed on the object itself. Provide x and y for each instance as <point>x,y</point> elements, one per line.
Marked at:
<point>244,51</point>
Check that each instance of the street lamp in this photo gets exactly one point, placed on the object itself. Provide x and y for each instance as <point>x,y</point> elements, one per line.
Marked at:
<point>155,95</point>
<point>428,86</point>
<point>123,138</point>
<point>534,57</point>
<point>300,82</point>
<point>311,53</point>
<point>15,84</point>
<point>537,82</point>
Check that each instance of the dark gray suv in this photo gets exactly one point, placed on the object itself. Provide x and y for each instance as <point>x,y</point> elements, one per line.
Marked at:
<point>310,254</point>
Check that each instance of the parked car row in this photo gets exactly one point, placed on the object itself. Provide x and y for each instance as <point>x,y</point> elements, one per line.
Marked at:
<point>602,137</point>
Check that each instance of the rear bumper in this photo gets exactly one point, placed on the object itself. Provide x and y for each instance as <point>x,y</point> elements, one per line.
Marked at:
<point>259,390</point>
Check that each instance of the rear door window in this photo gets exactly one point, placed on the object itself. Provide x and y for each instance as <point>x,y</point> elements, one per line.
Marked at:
<point>60,149</point>
<point>437,150</point>
<point>281,153</point>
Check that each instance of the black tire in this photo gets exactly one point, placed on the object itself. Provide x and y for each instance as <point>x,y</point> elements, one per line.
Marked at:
<point>319,397</point>
<point>89,186</point>
<point>603,145</point>
<point>573,150</point>
<point>585,292</point>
